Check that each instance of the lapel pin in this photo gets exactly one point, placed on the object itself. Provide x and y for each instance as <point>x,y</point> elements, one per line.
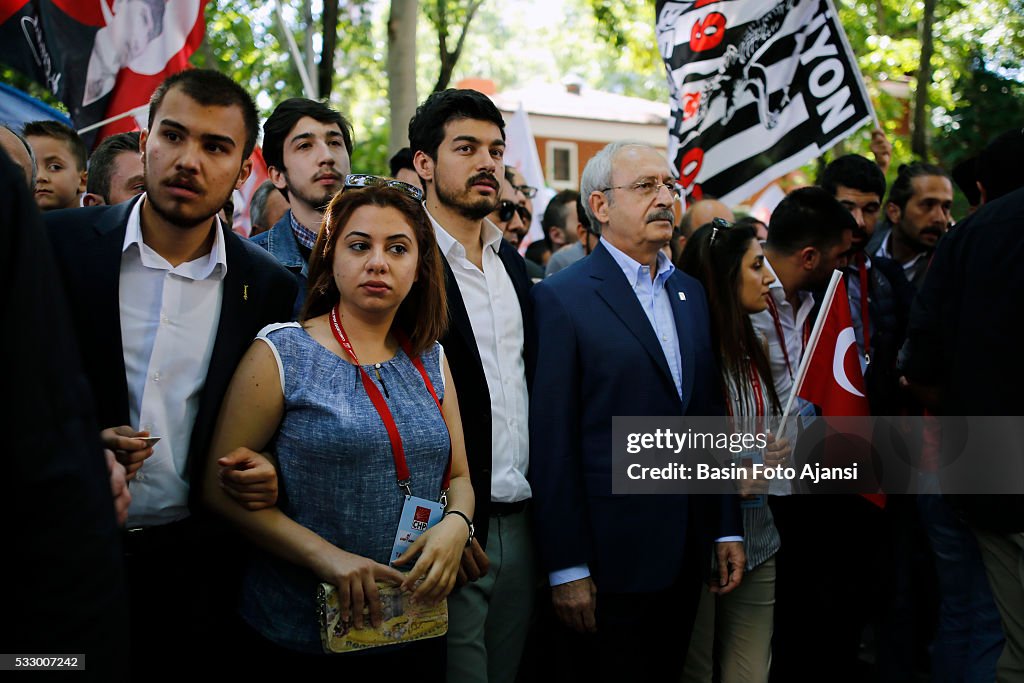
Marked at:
<point>682,297</point>
<point>245,292</point>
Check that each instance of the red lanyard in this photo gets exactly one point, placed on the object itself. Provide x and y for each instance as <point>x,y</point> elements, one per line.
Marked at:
<point>774,312</point>
<point>755,383</point>
<point>397,450</point>
<point>865,318</point>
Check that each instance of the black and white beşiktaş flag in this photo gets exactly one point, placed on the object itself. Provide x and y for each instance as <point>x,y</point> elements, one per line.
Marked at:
<point>758,88</point>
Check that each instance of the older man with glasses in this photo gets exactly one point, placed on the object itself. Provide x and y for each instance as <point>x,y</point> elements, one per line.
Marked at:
<point>624,333</point>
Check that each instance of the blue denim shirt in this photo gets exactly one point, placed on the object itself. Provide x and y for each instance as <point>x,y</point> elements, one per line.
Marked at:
<point>281,243</point>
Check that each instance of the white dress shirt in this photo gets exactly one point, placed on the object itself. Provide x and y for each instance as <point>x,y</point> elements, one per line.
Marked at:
<point>792,323</point>
<point>169,319</point>
<point>497,322</point>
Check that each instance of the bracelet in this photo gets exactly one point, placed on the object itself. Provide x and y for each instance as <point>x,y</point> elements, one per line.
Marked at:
<point>466,519</point>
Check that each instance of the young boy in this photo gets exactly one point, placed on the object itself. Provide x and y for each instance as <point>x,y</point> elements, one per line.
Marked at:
<point>60,164</point>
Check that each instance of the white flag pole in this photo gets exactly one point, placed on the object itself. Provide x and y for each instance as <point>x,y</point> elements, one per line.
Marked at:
<point>300,66</point>
<point>122,115</point>
<point>852,58</point>
<point>812,343</point>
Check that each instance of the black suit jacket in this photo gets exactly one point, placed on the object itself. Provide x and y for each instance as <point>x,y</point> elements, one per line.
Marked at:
<point>964,337</point>
<point>88,246</point>
<point>64,591</point>
<point>597,358</point>
<point>468,374</point>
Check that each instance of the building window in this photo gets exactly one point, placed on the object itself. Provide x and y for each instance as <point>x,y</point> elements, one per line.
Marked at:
<point>562,165</point>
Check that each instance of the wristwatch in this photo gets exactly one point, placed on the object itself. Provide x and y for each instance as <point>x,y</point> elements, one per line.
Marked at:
<point>469,523</point>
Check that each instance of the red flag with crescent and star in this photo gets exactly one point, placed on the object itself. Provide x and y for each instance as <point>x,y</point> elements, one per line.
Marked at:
<point>832,380</point>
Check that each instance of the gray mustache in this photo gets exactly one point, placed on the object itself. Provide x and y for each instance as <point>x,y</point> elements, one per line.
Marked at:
<point>661,215</point>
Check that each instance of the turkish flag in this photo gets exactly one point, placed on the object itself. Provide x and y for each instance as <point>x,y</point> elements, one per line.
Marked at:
<point>831,379</point>
<point>101,58</point>
<point>242,222</point>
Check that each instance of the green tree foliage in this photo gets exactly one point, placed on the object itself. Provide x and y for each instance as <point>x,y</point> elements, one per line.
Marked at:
<point>976,69</point>
<point>244,41</point>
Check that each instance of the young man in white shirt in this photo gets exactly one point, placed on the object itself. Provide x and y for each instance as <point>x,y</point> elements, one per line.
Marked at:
<point>458,143</point>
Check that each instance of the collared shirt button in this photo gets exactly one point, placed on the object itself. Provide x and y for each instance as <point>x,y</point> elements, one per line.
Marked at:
<point>156,376</point>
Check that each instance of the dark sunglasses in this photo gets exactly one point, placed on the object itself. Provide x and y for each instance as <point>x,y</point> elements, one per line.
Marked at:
<point>507,209</point>
<point>361,180</point>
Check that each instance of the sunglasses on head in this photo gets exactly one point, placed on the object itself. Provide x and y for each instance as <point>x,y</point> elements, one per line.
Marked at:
<point>507,209</point>
<point>716,225</point>
<point>362,180</point>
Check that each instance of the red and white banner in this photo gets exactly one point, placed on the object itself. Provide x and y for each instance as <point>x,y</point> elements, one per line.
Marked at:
<point>242,221</point>
<point>101,58</point>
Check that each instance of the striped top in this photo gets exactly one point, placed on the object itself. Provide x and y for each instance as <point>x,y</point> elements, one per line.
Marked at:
<point>749,411</point>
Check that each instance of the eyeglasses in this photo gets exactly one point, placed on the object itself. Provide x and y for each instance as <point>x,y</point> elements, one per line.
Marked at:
<point>361,180</point>
<point>716,225</point>
<point>528,192</point>
<point>648,188</point>
<point>507,209</point>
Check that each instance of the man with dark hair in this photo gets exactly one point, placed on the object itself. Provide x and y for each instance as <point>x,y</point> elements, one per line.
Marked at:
<point>960,359</point>
<point>20,152</point>
<point>880,315</point>
<point>210,88</point>
<point>859,185</point>
<point>560,224</point>
<point>965,175</point>
<point>586,240</point>
<point>266,208</point>
<point>511,216</point>
<point>115,171</point>
<point>60,164</point>
<point>165,301</point>
<point>458,142</point>
<point>1000,171</point>
<point>889,544</point>
<point>559,220</point>
<point>918,209</point>
<point>809,236</point>
<point>402,167</point>
<point>308,148</point>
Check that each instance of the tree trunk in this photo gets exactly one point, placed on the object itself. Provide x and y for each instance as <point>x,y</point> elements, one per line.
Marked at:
<point>325,70</point>
<point>401,70</point>
<point>880,23</point>
<point>919,137</point>
<point>450,59</point>
<point>307,20</point>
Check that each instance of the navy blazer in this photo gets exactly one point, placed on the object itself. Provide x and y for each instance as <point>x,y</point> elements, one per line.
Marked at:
<point>468,374</point>
<point>597,357</point>
<point>88,246</point>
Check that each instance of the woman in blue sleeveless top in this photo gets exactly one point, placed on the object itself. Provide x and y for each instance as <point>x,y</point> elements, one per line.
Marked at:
<point>733,632</point>
<point>344,398</point>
